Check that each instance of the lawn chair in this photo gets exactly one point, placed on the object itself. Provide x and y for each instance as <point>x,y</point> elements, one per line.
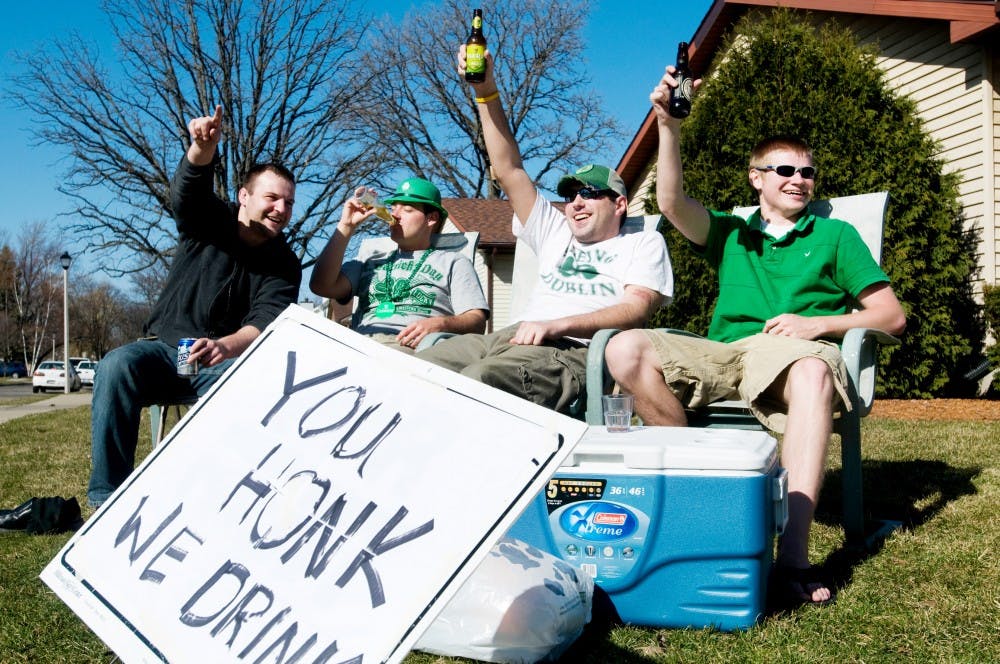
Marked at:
<point>525,276</point>
<point>866,212</point>
<point>158,416</point>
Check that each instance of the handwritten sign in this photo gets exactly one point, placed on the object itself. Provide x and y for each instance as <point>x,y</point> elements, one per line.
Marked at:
<point>320,504</point>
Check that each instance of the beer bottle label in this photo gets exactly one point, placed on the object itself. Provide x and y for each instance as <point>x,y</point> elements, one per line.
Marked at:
<point>685,87</point>
<point>475,58</point>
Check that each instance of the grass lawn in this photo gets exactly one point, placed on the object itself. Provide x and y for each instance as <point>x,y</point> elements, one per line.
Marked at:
<point>928,593</point>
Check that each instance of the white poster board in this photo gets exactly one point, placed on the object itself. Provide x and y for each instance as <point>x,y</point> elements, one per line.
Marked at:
<point>320,504</point>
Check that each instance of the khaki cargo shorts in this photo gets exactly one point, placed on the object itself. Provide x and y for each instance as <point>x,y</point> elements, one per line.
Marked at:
<point>700,371</point>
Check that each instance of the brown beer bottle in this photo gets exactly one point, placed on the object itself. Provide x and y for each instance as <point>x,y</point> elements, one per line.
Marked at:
<point>475,50</point>
<point>680,97</point>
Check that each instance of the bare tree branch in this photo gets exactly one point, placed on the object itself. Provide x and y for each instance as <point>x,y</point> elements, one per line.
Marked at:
<point>286,72</point>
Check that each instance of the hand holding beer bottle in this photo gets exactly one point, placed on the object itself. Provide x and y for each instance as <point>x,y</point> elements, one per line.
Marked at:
<point>475,50</point>
<point>475,65</point>
<point>680,96</point>
<point>665,96</point>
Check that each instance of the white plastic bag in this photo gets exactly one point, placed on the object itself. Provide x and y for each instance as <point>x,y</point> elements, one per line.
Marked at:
<point>521,605</point>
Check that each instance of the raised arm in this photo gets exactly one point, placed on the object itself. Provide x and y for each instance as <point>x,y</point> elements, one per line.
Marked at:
<point>327,280</point>
<point>205,135</point>
<point>688,215</point>
<point>501,146</point>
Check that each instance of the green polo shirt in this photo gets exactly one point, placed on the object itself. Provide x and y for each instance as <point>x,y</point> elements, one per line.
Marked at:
<point>817,269</point>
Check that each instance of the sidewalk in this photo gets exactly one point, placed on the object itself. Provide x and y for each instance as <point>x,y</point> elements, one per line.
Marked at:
<point>58,402</point>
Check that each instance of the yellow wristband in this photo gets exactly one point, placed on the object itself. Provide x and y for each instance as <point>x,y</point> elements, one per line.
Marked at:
<point>488,98</point>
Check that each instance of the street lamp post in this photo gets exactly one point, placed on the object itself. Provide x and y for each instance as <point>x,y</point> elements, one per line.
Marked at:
<point>65,260</point>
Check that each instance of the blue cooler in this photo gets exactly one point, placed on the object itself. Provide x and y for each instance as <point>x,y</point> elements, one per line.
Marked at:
<point>676,525</point>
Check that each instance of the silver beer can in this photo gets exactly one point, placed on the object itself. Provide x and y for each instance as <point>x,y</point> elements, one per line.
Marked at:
<point>183,352</point>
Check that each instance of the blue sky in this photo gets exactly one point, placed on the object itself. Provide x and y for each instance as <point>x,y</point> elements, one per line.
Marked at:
<point>628,44</point>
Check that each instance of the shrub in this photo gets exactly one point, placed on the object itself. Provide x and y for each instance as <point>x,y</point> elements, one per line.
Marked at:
<point>991,311</point>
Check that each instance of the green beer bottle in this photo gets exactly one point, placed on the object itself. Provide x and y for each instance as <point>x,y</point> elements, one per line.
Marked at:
<point>475,50</point>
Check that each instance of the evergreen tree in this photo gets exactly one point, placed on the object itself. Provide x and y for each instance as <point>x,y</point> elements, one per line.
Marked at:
<point>779,74</point>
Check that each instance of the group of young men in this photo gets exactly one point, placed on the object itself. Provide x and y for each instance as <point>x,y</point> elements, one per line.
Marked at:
<point>791,284</point>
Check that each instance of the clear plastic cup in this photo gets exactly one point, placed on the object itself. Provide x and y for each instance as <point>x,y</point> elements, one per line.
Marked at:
<point>618,412</point>
<point>370,200</point>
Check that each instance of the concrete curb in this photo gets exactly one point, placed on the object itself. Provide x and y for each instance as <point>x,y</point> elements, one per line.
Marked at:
<point>58,402</point>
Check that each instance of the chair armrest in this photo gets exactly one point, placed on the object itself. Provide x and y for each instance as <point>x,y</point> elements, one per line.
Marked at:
<point>859,350</point>
<point>432,339</point>
<point>597,375</point>
<point>671,330</point>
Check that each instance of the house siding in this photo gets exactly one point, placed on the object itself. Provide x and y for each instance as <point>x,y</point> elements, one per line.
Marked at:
<point>954,89</point>
<point>503,271</point>
<point>991,232</point>
<point>637,198</point>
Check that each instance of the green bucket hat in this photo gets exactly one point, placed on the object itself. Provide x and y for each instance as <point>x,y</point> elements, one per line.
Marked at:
<point>418,190</point>
<point>599,177</point>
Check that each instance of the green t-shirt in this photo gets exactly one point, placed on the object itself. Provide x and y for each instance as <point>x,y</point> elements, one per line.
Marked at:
<point>817,269</point>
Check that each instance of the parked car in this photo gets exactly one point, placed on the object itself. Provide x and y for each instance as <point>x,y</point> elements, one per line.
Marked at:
<point>86,369</point>
<point>75,361</point>
<point>13,369</point>
<point>51,375</point>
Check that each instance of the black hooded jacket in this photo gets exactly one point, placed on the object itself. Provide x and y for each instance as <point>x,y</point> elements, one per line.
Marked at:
<point>217,284</point>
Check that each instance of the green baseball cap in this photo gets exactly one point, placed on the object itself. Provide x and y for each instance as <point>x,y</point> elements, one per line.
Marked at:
<point>418,190</point>
<point>599,177</point>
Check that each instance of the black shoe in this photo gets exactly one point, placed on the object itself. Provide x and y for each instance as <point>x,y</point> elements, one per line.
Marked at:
<point>17,518</point>
<point>39,516</point>
<point>53,515</point>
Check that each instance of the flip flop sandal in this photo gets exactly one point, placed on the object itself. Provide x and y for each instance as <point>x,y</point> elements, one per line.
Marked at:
<point>792,587</point>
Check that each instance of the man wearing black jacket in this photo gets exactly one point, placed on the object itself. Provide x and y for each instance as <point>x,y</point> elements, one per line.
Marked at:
<point>232,275</point>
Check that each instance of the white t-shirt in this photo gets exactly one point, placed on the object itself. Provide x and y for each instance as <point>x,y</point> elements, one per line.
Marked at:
<point>575,278</point>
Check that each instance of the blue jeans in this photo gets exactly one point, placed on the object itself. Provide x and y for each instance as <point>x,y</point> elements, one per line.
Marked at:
<point>128,379</point>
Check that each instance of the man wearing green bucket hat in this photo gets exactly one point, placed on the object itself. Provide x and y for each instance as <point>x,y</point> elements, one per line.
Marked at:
<point>591,274</point>
<point>412,291</point>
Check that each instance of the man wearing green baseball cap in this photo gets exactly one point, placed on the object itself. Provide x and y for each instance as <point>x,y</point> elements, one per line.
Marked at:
<point>594,176</point>
<point>411,291</point>
<point>591,274</point>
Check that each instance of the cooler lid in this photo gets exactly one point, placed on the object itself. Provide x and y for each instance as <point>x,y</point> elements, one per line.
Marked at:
<point>671,448</point>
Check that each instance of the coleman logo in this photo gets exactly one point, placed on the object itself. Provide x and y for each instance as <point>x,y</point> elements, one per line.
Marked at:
<point>605,519</point>
<point>598,521</point>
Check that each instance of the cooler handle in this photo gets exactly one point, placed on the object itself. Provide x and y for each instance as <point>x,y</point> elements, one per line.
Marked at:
<point>629,456</point>
<point>779,494</point>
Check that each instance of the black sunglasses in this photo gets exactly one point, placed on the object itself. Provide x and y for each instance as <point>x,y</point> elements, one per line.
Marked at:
<point>786,171</point>
<point>592,193</point>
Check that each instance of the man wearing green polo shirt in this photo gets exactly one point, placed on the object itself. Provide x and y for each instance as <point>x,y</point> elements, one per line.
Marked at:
<point>789,282</point>
<point>413,290</point>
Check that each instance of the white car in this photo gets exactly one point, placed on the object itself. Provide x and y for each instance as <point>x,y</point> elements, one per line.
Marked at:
<point>86,369</point>
<point>51,375</point>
